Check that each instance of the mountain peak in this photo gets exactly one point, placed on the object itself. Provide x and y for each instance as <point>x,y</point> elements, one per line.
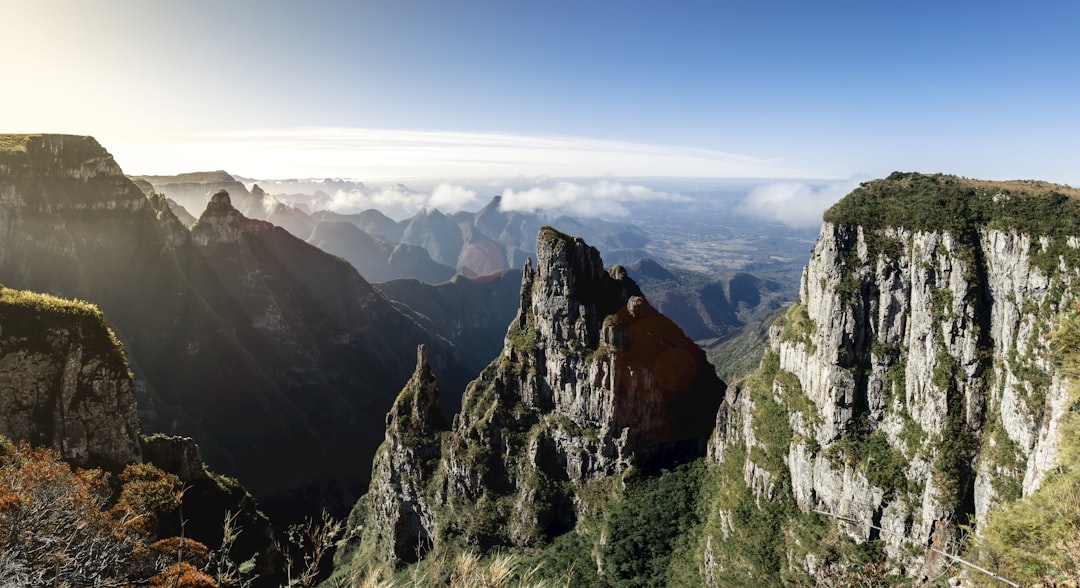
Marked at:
<point>220,203</point>
<point>591,383</point>
<point>416,412</point>
<point>221,223</point>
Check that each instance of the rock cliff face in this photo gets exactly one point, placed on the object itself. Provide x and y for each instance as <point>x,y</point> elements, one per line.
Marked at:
<point>64,383</point>
<point>401,515</point>
<point>913,379</point>
<point>592,384</point>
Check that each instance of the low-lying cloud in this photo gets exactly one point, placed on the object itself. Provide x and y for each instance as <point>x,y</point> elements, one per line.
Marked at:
<point>603,198</point>
<point>400,201</point>
<point>797,204</point>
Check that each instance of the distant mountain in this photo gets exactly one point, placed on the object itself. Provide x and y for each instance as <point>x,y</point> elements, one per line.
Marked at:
<point>192,190</point>
<point>278,357</point>
<point>728,316</point>
<point>260,205</point>
<point>472,314</point>
<point>177,209</point>
<point>708,309</point>
<point>437,234</point>
<point>370,221</point>
<point>376,259</point>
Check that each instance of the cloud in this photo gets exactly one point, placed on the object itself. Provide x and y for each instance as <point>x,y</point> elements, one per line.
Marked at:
<point>797,204</point>
<point>316,152</point>
<point>601,198</point>
<point>399,201</point>
<point>451,198</point>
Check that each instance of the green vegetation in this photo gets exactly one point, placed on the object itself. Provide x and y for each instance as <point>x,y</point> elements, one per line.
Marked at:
<point>522,339</point>
<point>1036,539</point>
<point>651,527</point>
<point>797,326</point>
<point>939,202</point>
<point>1006,462</point>
<point>960,206</point>
<point>736,357</point>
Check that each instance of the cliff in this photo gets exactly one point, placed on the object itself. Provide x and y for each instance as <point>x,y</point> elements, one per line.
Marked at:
<point>592,386</point>
<point>65,385</point>
<point>911,389</point>
<point>64,381</point>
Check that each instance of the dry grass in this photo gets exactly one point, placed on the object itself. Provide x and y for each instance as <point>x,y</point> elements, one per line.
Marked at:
<point>47,303</point>
<point>1033,187</point>
<point>14,143</point>
<point>467,569</point>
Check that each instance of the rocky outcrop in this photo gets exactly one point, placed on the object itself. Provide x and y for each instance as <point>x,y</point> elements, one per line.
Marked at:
<point>222,224</point>
<point>399,514</point>
<point>591,384</point>
<point>64,383</point>
<point>916,369</point>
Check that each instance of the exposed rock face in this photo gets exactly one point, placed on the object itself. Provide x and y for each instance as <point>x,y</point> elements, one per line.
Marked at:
<point>916,370</point>
<point>592,382</point>
<point>400,512</point>
<point>222,224</point>
<point>64,383</point>
<point>178,455</point>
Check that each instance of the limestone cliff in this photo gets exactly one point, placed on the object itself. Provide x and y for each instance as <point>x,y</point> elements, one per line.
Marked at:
<point>64,383</point>
<point>592,385</point>
<point>910,390</point>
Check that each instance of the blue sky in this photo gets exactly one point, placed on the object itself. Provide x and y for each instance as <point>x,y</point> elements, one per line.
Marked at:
<point>471,88</point>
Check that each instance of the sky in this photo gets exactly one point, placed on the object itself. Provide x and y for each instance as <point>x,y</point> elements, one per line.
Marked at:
<point>585,88</point>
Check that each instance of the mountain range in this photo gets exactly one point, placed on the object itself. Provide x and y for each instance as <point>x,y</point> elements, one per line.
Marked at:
<point>914,406</point>
<point>280,358</point>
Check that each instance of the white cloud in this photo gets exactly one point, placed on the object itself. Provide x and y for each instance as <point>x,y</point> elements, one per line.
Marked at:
<point>395,154</point>
<point>451,198</point>
<point>601,198</point>
<point>797,204</point>
<point>399,201</point>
